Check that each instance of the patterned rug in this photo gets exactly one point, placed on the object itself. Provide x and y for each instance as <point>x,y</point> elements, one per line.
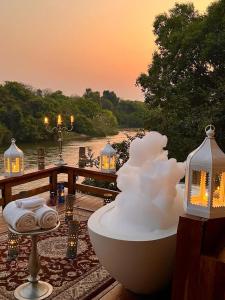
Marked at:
<point>80,278</point>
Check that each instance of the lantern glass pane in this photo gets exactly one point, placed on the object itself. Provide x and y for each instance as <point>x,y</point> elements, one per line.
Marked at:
<point>15,165</point>
<point>199,188</point>
<point>7,165</point>
<point>105,162</point>
<point>219,190</point>
<point>112,162</point>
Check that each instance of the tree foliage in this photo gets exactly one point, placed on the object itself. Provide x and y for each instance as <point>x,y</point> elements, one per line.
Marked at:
<point>185,83</point>
<point>22,110</point>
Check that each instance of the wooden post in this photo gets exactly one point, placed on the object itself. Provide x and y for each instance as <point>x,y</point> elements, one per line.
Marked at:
<point>41,158</point>
<point>7,194</point>
<point>53,182</point>
<point>82,157</point>
<point>71,182</point>
<point>211,279</point>
<point>198,271</point>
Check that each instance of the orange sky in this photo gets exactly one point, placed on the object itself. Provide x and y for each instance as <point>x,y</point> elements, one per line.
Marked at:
<point>74,44</point>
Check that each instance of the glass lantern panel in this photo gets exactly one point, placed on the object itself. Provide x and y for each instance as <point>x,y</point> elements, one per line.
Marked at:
<point>21,164</point>
<point>7,165</point>
<point>199,188</point>
<point>219,190</point>
<point>112,162</point>
<point>105,162</point>
<point>15,163</point>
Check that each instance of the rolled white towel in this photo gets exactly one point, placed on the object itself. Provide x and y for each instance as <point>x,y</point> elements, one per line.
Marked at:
<point>30,202</point>
<point>46,217</point>
<point>20,219</point>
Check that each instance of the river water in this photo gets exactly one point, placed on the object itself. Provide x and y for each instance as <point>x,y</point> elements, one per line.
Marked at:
<point>70,150</point>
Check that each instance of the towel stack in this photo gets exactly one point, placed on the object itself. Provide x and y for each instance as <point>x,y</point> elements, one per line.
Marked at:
<point>30,214</point>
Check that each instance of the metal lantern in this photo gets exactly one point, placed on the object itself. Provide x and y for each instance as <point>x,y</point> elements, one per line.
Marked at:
<point>69,203</point>
<point>108,159</point>
<point>13,245</point>
<point>107,198</point>
<point>60,191</point>
<point>13,160</point>
<point>205,179</point>
<point>72,241</point>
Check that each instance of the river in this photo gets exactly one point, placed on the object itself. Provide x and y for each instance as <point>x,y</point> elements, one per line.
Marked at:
<point>70,150</point>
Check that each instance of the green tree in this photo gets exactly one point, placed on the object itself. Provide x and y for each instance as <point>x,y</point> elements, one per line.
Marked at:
<point>185,83</point>
<point>131,114</point>
<point>22,111</point>
<point>92,95</point>
<point>105,123</point>
<point>111,96</point>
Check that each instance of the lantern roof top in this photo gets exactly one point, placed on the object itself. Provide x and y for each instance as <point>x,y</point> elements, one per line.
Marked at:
<point>108,150</point>
<point>208,155</point>
<point>13,150</point>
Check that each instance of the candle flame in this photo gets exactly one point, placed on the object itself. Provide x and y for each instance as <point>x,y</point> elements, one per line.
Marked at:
<point>46,120</point>
<point>59,120</point>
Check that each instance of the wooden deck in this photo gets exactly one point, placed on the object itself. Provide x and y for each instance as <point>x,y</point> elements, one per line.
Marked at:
<point>88,204</point>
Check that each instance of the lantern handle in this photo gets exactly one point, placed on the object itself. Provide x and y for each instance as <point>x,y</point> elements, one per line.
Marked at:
<point>210,130</point>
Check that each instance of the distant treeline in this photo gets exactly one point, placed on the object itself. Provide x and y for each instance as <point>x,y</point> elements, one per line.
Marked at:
<point>22,110</point>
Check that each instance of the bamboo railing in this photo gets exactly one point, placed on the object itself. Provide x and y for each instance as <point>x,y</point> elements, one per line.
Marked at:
<point>7,184</point>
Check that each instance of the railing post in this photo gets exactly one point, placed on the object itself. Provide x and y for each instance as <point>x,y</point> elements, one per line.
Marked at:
<point>71,182</point>
<point>41,158</point>
<point>7,194</point>
<point>82,157</point>
<point>53,182</point>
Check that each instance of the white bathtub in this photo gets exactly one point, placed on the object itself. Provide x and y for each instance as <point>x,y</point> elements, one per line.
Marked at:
<point>142,266</point>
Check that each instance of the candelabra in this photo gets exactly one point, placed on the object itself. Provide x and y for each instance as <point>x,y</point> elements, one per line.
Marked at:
<point>59,128</point>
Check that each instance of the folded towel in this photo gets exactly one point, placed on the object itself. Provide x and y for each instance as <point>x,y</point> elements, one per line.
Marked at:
<point>30,203</point>
<point>19,219</point>
<point>46,217</point>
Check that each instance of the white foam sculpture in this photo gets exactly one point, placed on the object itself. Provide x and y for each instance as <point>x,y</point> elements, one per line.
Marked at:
<point>134,237</point>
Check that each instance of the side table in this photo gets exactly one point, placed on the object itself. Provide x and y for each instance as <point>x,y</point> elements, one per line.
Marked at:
<point>33,289</point>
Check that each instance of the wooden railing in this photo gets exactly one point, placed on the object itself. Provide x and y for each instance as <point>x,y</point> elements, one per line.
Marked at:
<point>7,184</point>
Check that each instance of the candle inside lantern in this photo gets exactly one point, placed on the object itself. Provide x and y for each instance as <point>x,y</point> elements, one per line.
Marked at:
<point>14,167</point>
<point>13,242</point>
<point>71,119</point>
<point>59,120</point>
<point>46,120</point>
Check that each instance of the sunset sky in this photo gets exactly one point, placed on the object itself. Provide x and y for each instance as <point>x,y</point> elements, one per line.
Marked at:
<point>70,45</point>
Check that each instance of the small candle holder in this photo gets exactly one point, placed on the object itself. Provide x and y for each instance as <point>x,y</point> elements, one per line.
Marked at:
<point>13,245</point>
<point>72,242</point>
<point>53,199</point>
<point>108,198</point>
<point>60,190</point>
<point>69,203</point>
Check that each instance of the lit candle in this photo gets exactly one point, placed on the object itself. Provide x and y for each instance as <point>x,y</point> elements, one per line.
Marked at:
<point>59,120</point>
<point>71,119</point>
<point>13,167</point>
<point>46,120</point>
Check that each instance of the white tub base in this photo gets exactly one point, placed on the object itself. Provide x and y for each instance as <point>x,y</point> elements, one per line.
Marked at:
<point>142,266</point>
